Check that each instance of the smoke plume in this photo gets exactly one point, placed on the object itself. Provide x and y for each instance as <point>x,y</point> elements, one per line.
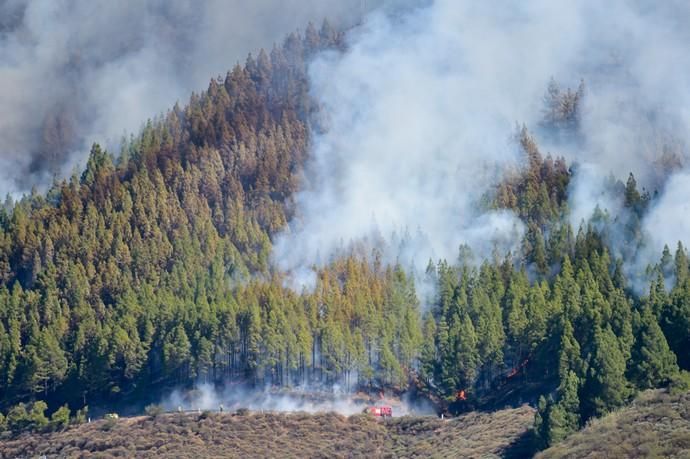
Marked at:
<point>420,109</point>
<point>77,71</point>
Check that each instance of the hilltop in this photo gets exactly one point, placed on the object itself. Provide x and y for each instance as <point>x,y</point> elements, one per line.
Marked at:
<point>251,434</point>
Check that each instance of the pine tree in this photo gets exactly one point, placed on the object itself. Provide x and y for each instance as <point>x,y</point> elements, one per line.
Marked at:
<point>675,323</point>
<point>606,387</point>
<point>569,401</point>
<point>428,352</point>
<point>466,357</point>
<point>556,419</point>
<point>652,364</point>
<point>446,372</point>
<point>177,353</point>
<point>569,359</point>
<point>681,264</point>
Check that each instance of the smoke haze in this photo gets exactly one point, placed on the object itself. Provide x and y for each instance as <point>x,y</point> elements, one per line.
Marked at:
<point>77,71</point>
<point>421,107</point>
<point>419,112</point>
<point>232,398</point>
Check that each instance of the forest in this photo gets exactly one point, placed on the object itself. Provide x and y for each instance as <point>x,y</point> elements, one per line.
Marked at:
<point>151,268</point>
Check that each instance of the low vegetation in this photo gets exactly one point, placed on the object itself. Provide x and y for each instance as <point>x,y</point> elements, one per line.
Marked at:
<point>657,424</point>
<point>251,434</point>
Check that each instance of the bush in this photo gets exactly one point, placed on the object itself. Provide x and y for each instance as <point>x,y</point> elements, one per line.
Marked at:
<point>154,410</point>
<point>680,383</point>
<point>37,414</point>
<point>242,412</point>
<point>18,418</point>
<point>60,418</point>
<point>81,415</point>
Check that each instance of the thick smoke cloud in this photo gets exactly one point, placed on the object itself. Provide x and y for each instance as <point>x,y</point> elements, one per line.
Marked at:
<point>77,71</point>
<point>669,220</point>
<point>421,108</point>
<point>419,112</point>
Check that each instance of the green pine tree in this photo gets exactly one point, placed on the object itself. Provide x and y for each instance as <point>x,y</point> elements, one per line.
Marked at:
<point>652,364</point>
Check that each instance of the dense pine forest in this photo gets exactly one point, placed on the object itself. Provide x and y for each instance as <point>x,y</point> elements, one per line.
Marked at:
<point>151,268</point>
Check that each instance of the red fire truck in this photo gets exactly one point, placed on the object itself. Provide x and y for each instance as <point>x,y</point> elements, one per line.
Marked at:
<point>380,411</point>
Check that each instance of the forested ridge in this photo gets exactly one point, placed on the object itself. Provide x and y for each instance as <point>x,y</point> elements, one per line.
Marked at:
<point>153,267</point>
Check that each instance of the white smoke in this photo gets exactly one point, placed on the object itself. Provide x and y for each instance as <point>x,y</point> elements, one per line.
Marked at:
<point>420,109</point>
<point>635,119</point>
<point>669,220</point>
<point>206,397</point>
<point>73,72</point>
<point>419,123</point>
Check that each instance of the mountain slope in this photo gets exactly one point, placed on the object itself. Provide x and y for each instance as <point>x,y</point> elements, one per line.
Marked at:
<point>150,271</point>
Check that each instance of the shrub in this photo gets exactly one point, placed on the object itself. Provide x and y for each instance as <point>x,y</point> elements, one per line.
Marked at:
<point>18,418</point>
<point>81,415</point>
<point>37,414</point>
<point>60,418</point>
<point>154,410</point>
<point>680,383</point>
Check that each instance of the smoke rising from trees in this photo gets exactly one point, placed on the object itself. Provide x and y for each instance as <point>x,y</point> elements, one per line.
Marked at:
<point>421,107</point>
<point>73,72</point>
<point>305,399</point>
<point>419,111</point>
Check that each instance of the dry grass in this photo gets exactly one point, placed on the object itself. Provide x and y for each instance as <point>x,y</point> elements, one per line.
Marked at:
<point>281,435</point>
<point>656,425</point>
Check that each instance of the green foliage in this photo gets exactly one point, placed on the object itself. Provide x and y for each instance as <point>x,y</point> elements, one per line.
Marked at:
<point>18,418</point>
<point>606,387</point>
<point>60,418</point>
<point>37,415</point>
<point>653,364</point>
<point>23,417</point>
<point>655,425</point>
<point>556,419</point>
<point>153,270</point>
<point>81,416</point>
<point>680,382</point>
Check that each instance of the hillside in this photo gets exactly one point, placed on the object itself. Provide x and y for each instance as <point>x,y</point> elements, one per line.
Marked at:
<point>154,269</point>
<point>287,435</point>
<point>655,425</point>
